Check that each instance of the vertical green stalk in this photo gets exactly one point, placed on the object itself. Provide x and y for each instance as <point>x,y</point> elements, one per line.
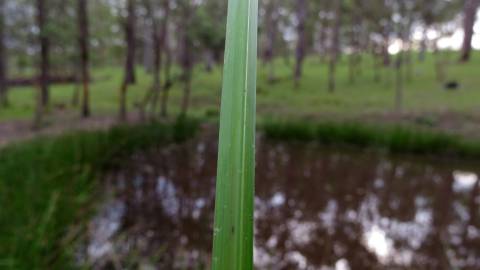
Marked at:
<point>233,229</point>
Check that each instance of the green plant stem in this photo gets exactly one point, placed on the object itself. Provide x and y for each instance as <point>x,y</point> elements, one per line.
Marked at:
<point>233,229</point>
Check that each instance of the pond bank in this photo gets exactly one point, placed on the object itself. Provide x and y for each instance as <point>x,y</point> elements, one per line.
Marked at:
<point>394,139</point>
<point>46,184</point>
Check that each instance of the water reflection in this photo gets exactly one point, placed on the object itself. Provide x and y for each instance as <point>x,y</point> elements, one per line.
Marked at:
<point>314,209</point>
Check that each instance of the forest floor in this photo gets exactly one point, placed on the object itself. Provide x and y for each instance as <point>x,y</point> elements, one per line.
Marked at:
<point>427,104</point>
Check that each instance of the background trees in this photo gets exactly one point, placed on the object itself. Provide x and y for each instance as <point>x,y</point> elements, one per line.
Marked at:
<point>178,39</point>
<point>129,71</point>
<point>83,40</point>
<point>3,64</point>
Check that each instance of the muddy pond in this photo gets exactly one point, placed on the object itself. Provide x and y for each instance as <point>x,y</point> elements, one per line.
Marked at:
<point>315,208</point>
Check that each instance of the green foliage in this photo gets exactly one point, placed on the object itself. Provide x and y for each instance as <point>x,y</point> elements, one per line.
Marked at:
<point>392,139</point>
<point>46,188</point>
<point>233,229</point>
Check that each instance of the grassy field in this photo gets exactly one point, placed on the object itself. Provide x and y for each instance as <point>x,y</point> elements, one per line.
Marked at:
<point>423,95</point>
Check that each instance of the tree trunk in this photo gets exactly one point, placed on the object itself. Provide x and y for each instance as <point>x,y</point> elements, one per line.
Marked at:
<point>155,36</point>
<point>385,45</point>
<point>399,83</point>
<point>209,60</point>
<point>377,65</point>
<point>439,63</point>
<point>123,101</point>
<point>148,47</point>
<point>301,41</point>
<point>355,44</point>
<point>323,48</point>
<point>399,73</point>
<point>187,77</point>
<point>3,58</point>
<point>408,60</point>
<point>168,82</point>
<point>44,51</point>
<point>335,47</point>
<point>129,73</point>
<point>186,59</point>
<point>168,60</point>
<point>352,59</point>
<point>83,39</point>
<point>423,46</point>
<point>130,41</point>
<point>271,28</point>
<point>157,58</point>
<point>470,12</point>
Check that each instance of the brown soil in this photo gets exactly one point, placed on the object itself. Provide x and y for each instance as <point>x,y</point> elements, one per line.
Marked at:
<point>15,131</point>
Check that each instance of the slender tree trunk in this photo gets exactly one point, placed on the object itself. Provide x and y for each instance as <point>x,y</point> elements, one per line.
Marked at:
<point>352,59</point>
<point>399,72</point>
<point>399,82</point>
<point>168,82</point>
<point>156,68</point>
<point>355,44</point>
<point>152,96</point>
<point>470,12</point>
<point>83,40</point>
<point>335,47</point>
<point>187,77</point>
<point>3,58</point>
<point>130,41</point>
<point>377,65</point>
<point>148,47</point>
<point>408,60</point>
<point>323,40</point>
<point>129,73</point>
<point>301,41</point>
<point>423,46</point>
<point>209,60</point>
<point>439,64</point>
<point>44,51</point>
<point>186,59</point>
<point>271,28</point>
<point>123,101</point>
<point>168,60</point>
<point>386,44</point>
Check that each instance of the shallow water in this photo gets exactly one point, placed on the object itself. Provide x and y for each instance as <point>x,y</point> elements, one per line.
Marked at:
<point>315,209</point>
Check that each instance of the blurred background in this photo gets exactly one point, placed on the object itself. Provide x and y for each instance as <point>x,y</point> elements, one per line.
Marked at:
<point>372,58</point>
<point>367,153</point>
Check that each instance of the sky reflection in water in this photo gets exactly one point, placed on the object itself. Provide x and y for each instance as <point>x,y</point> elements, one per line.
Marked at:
<point>314,209</point>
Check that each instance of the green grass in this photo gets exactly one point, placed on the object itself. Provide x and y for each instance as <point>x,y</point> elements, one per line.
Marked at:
<point>423,94</point>
<point>394,139</point>
<point>46,186</point>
